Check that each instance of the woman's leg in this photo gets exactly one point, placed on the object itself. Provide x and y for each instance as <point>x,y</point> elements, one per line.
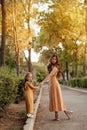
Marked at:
<point>56,115</point>
<point>68,114</point>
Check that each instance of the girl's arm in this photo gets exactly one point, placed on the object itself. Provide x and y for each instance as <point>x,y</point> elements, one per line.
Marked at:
<point>32,86</point>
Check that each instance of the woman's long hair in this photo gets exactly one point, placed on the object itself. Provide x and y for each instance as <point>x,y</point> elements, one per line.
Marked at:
<point>57,64</point>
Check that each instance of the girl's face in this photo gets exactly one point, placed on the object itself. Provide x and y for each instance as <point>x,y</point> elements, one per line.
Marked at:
<point>54,60</point>
<point>30,77</point>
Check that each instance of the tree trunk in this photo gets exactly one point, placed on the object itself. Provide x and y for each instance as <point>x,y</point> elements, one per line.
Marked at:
<point>18,62</point>
<point>17,52</point>
<point>27,11</point>
<point>76,67</point>
<point>85,49</point>
<point>63,76</point>
<point>29,30</point>
<point>67,74</point>
<point>3,41</point>
<point>29,61</point>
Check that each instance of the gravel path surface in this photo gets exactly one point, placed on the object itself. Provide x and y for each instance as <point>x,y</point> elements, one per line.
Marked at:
<point>74,100</point>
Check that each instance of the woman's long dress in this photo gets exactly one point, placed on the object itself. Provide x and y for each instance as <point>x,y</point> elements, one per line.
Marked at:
<point>55,96</point>
<point>29,98</point>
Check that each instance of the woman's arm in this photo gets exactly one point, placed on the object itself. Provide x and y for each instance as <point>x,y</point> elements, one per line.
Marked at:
<point>49,75</point>
<point>46,79</point>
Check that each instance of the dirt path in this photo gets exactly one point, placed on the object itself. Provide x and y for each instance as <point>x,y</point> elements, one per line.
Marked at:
<point>74,100</point>
<point>13,117</point>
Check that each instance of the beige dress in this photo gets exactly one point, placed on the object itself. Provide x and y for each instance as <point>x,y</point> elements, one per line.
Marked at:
<point>55,96</point>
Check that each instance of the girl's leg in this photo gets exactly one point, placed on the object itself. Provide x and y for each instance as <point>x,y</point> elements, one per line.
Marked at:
<point>68,114</point>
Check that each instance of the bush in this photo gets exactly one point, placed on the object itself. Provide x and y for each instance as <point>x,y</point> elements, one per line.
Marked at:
<point>7,91</point>
<point>41,72</point>
<point>39,76</point>
<point>20,90</point>
<point>61,81</point>
<point>78,82</point>
<point>10,87</point>
<point>85,82</point>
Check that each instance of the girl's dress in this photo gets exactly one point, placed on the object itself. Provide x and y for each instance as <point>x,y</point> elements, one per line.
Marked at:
<point>55,97</point>
<point>29,97</point>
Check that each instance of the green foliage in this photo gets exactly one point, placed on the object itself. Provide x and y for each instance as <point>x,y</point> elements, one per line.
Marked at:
<point>45,56</point>
<point>7,90</point>
<point>41,71</point>
<point>6,71</point>
<point>75,82</point>
<point>61,81</point>
<point>64,24</point>
<point>40,77</point>
<point>78,82</point>
<point>64,21</point>
<point>9,59</point>
<point>10,87</point>
<point>20,90</point>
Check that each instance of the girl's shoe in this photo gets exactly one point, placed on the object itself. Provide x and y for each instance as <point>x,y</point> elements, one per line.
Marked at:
<point>57,119</point>
<point>29,115</point>
<point>32,116</point>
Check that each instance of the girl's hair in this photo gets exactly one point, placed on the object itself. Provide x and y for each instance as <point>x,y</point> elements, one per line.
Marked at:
<point>26,77</point>
<point>57,64</point>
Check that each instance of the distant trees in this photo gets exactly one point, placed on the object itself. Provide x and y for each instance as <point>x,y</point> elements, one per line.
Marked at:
<point>85,49</point>
<point>64,23</point>
<point>15,16</point>
<point>62,30</point>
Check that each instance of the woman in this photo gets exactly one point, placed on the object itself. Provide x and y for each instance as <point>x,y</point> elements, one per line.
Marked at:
<point>56,101</point>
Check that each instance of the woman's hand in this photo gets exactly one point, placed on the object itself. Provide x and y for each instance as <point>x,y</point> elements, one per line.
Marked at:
<point>38,86</point>
<point>41,84</point>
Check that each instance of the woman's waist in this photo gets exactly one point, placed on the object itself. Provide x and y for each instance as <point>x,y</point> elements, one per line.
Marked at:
<point>53,79</point>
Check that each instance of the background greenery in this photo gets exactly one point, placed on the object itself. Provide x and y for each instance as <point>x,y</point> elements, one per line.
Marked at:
<point>62,26</point>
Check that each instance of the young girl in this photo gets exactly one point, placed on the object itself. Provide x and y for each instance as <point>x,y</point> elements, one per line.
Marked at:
<point>56,103</point>
<point>29,92</point>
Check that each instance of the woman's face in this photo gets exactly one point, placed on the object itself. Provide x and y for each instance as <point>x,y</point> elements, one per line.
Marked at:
<point>30,77</point>
<point>54,60</point>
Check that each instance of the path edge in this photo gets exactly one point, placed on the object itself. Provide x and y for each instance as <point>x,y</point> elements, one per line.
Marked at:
<point>75,89</point>
<point>29,124</point>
